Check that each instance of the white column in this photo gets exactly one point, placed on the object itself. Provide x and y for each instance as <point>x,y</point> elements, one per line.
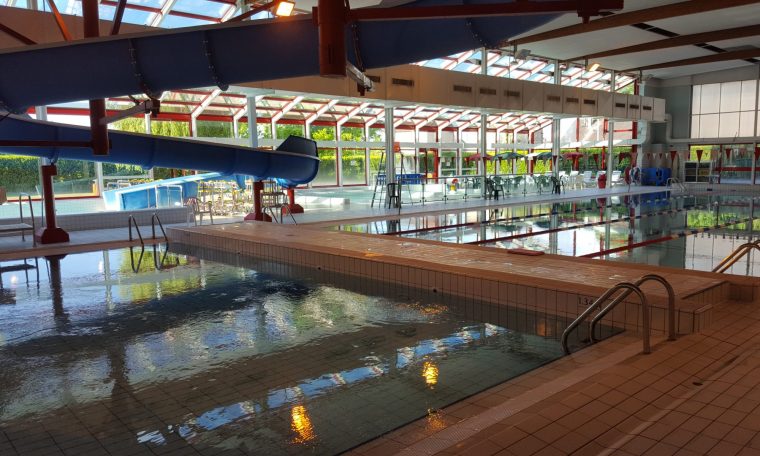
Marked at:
<point>757,132</point>
<point>148,131</point>
<point>338,156</point>
<point>483,147</point>
<point>41,114</point>
<point>367,163</point>
<point>556,126</point>
<point>611,139</point>
<point>390,165</point>
<point>253,127</point>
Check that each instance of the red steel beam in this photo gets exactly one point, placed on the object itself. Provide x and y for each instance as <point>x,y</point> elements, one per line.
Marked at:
<point>635,17</point>
<point>59,20</point>
<point>118,15</point>
<point>521,8</point>
<point>17,35</point>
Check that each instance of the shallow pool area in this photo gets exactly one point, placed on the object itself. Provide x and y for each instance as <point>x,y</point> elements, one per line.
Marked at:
<point>244,355</point>
<point>685,231</point>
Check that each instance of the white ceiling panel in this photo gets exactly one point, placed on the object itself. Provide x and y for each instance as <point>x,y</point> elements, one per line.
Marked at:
<point>668,73</point>
<point>713,20</point>
<point>639,59</point>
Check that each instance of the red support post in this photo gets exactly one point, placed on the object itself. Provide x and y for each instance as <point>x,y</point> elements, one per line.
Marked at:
<point>257,213</point>
<point>51,234</point>
<point>294,208</point>
<point>98,130</point>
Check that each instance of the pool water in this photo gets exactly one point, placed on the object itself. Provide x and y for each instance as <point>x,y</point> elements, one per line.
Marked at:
<point>652,229</point>
<point>258,357</point>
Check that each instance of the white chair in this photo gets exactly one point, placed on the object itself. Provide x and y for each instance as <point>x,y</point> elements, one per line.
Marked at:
<point>588,179</point>
<point>617,178</point>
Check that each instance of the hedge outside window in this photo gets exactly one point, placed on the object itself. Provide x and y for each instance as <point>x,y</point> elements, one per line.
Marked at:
<point>354,167</point>
<point>328,170</point>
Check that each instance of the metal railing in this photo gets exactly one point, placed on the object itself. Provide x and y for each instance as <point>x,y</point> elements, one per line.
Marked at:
<point>153,220</point>
<point>671,306</point>
<point>159,257</point>
<point>744,249</point>
<point>31,213</point>
<point>133,223</point>
<point>604,297</point>
<point>674,182</point>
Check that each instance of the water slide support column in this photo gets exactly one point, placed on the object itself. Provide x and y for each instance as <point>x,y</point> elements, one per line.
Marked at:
<point>258,186</point>
<point>51,234</point>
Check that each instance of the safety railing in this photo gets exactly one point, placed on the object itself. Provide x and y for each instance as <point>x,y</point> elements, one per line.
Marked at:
<point>601,300</point>
<point>155,219</point>
<point>744,249</point>
<point>674,182</point>
<point>159,257</point>
<point>646,278</point>
<point>133,223</point>
<point>28,197</point>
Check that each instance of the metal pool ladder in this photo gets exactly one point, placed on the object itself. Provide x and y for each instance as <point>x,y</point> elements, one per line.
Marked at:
<point>629,288</point>
<point>744,249</point>
<point>132,223</point>
<point>674,182</point>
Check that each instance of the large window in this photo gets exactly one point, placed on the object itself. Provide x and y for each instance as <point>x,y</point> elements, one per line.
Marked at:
<point>724,110</point>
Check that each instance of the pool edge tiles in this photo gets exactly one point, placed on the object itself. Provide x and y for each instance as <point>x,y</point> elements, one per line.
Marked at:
<point>550,283</point>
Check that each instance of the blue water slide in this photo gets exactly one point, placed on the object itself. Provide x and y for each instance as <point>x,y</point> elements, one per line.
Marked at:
<point>293,163</point>
<point>162,193</point>
<point>230,53</point>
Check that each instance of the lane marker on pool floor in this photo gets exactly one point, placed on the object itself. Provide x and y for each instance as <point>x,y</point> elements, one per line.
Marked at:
<point>667,238</point>
<point>590,224</point>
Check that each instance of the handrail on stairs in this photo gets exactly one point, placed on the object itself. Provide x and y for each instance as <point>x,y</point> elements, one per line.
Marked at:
<point>671,305</point>
<point>596,304</point>
<point>726,263</point>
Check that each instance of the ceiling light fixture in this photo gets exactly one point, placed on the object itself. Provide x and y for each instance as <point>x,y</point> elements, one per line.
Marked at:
<point>284,8</point>
<point>594,66</point>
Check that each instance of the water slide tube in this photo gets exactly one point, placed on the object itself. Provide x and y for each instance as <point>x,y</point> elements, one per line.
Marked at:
<point>230,53</point>
<point>295,162</point>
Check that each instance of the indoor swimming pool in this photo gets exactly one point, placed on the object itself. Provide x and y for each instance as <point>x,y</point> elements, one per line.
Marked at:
<point>682,231</point>
<point>259,357</point>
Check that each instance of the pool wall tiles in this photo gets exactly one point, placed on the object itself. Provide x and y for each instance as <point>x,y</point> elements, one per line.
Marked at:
<point>561,303</point>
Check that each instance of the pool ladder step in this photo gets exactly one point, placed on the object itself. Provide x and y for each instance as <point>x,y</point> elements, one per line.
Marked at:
<point>627,288</point>
<point>158,259</point>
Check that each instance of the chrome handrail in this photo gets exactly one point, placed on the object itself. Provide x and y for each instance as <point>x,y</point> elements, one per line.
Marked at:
<point>638,283</point>
<point>599,302</point>
<point>736,255</point>
<point>21,215</point>
<point>130,223</point>
<point>153,219</point>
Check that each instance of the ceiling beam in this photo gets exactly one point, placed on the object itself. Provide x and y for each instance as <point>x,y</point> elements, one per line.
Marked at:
<point>722,57</point>
<point>411,113</point>
<point>683,40</point>
<point>634,17</point>
<point>350,114</point>
<point>286,109</point>
<point>198,110</point>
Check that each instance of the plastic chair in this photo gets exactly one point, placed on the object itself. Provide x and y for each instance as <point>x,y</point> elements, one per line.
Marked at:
<point>198,210</point>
